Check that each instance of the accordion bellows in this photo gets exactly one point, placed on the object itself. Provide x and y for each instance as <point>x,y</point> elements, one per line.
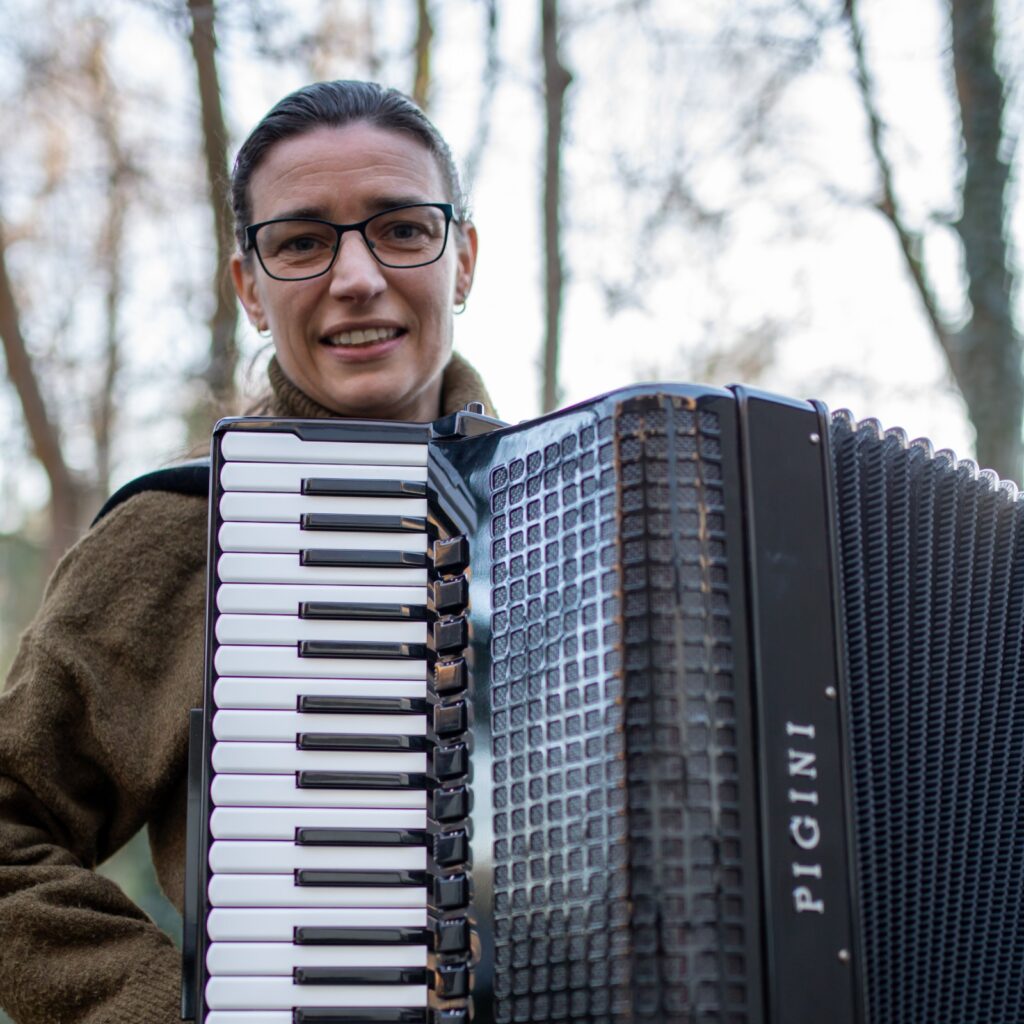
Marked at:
<point>736,686</point>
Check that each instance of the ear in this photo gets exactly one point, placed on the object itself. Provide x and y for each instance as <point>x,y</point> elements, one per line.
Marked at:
<point>466,260</point>
<point>244,279</point>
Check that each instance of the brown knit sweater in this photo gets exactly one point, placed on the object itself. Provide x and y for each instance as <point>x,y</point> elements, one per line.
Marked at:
<point>93,736</point>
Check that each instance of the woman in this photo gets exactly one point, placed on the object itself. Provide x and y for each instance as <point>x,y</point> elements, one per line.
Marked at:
<point>354,248</point>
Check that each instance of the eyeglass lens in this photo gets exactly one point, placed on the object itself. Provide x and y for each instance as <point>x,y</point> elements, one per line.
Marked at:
<point>403,237</point>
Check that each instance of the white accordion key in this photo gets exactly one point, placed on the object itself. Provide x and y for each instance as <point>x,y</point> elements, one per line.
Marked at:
<point>290,629</point>
<point>250,1017</point>
<point>280,599</point>
<point>278,726</point>
<point>284,538</point>
<point>238,567</point>
<point>241,993</point>
<point>278,924</point>
<point>255,507</point>
<point>253,693</point>
<point>281,822</point>
<point>267,446</point>
<point>289,476</point>
<point>285,758</point>
<point>255,857</point>
<point>283,891</point>
<point>282,791</point>
<point>251,660</point>
<point>281,958</point>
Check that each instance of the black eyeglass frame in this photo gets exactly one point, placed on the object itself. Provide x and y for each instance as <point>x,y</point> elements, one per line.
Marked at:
<point>251,230</point>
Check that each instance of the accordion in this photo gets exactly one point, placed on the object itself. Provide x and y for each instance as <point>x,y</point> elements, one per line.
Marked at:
<point>679,705</point>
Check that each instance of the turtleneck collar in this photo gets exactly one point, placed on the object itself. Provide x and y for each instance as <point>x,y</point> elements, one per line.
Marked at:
<point>459,385</point>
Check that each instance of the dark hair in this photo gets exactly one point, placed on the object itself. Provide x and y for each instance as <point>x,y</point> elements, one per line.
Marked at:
<point>334,105</point>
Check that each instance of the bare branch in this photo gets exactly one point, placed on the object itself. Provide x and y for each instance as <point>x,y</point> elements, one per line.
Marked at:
<point>910,242</point>
<point>65,496</point>
<point>989,372</point>
<point>106,109</point>
<point>421,53</point>
<point>488,87</point>
<point>556,82</point>
<point>220,374</point>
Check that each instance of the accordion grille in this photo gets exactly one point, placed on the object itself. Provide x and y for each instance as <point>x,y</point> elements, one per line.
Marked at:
<point>933,594</point>
<point>618,893</point>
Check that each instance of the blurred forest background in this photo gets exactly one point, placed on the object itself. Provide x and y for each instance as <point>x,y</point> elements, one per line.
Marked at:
<point>815,196</point>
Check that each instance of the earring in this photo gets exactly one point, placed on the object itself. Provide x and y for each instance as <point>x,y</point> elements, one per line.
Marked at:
<point>460,307</point>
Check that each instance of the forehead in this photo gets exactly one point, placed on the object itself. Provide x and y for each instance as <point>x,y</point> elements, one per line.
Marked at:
<point>344,172</point>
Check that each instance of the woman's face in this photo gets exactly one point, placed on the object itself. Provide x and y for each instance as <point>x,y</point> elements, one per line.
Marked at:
<point>345,175</point>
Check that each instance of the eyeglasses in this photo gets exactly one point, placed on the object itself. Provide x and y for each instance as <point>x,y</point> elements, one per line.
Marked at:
<point>298,248</point>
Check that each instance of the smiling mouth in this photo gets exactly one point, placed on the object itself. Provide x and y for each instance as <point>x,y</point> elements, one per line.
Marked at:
<point>366,336</point>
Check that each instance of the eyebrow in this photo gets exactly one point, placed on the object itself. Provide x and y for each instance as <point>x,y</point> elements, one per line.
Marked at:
<point>376,205</point>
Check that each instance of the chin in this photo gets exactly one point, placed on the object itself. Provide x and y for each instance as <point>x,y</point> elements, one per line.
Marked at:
<point>370,403</point>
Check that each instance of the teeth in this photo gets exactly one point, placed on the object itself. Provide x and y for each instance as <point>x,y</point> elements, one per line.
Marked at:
<point>364,337</point>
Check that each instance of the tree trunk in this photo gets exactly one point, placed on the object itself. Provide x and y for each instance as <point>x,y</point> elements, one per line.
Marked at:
<point>556,81</point>
<point>424,38</point>
<point>106,113</point>
<point>985,355</point>
<point>987,363</point>
<point>220,373</point>
<point>66,497</point>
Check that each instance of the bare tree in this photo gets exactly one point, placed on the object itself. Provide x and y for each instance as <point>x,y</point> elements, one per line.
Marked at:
<point>106,108</point>
<point>488,87</point>
<point>984,354</point>
<point>220,373</point>
<point>66,493</point>
<point>556,81</point>
<point>421,54</point>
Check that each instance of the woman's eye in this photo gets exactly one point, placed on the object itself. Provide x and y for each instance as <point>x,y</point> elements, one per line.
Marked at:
<point>405,232</point>
<point>304,243</point>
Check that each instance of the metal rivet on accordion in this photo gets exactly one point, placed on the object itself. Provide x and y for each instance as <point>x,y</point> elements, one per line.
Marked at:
<point>450,804</point>
<point>451,892</point>
<point>451,935</point>
<point>451,981</point>
<point>451,848</point>
<point>450,718</point>
<point>450,676</point>
<point>451,555</point>
<point>450,596</point>
<point>450,636</point>
<point>450,762</point>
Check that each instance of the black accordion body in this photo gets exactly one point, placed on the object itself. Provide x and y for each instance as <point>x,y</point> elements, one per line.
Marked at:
<point>680,705</point>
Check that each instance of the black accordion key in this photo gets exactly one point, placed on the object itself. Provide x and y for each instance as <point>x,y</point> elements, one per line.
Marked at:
<point>364,488</point>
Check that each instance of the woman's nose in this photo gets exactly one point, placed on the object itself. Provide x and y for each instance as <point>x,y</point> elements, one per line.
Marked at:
<point>356,274</point>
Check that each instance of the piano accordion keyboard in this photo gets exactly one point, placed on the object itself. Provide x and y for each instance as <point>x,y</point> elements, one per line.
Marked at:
<point>325,899</point>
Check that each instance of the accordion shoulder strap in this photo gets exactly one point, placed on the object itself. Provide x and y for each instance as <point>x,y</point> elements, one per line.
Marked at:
<point>185,478</point>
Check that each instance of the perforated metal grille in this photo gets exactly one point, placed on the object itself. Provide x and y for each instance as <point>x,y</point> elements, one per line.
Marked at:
<point>617,888</point>
<point>690,928</point>
<point>560,884</point>
<point>933,587</point>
